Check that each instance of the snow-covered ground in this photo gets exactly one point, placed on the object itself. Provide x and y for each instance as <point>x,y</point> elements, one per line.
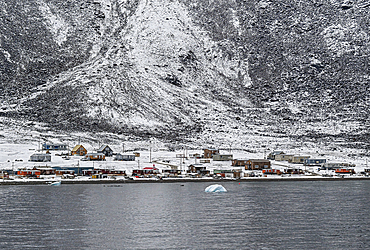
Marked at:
<point>16,156</point>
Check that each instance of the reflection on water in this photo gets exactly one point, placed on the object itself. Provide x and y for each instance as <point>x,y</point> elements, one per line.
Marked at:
<point>258,215</point>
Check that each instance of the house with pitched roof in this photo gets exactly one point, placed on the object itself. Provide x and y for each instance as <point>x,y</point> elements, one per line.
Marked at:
<point>79,150</point>
<point>106,150</point>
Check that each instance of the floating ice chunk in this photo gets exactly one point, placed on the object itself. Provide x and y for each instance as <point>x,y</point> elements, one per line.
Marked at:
<point>216,188</point>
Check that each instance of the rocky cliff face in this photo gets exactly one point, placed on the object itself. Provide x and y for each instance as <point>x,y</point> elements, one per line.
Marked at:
<point>180,69</point>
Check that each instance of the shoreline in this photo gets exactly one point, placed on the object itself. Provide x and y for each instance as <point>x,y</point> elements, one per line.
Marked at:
<point>175,180</point>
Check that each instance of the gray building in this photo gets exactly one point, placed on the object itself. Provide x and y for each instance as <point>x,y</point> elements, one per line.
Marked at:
<point>106,150</point>
<point>40,157</point>
<point>120,157</point>
<point>222,157</point>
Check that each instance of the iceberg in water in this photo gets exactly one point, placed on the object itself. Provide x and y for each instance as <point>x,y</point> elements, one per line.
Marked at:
<point>216,188</point>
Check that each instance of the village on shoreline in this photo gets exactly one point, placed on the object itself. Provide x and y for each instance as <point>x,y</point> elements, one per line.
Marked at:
<point>55,162</point>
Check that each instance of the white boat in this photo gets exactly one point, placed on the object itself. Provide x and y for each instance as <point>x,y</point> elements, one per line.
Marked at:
<point>56,183</point>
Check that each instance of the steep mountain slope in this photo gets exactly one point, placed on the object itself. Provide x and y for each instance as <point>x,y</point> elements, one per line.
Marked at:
<point>189,69</point>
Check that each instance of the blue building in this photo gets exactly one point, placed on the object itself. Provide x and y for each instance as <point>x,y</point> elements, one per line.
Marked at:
<point>77,169</point>
<point>54,146</point>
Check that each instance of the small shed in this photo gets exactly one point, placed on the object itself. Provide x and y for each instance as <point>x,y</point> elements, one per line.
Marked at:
<point>106,150</point>
<point>79,150</point>
<point>120,157</point>
<point>40,157</point>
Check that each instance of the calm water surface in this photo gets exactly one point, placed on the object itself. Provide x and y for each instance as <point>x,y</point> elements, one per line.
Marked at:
<point>258,215</point>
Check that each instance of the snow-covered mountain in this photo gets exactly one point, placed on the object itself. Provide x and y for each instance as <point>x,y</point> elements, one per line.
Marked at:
<point>175,69</point>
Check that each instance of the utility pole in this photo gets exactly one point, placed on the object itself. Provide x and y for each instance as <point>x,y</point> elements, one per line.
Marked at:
<point>150,155</point>
<point>78,167</point>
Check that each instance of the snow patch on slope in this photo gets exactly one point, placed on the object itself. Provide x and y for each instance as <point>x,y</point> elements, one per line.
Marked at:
<point>56,24</point>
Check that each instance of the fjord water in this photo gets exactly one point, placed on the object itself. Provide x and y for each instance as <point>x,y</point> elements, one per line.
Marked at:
<point>255,215</point>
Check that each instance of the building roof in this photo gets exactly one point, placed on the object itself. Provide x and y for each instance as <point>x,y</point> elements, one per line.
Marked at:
<point>104,147</point>
<point>77,147</point>
<point>277,152</point>
<point>40,154</point>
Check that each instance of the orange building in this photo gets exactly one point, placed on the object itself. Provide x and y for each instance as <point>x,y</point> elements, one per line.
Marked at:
<point>79,150</point>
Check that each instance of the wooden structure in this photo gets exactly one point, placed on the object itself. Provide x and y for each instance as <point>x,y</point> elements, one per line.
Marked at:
<point>171,172</point>
<point>271,172</point>
<point>45,170</point>
<point>210,152</point>
<point>102,172</point>
<point>238,162</point>
<point>198,168</point>
<point>257,164</point>
<point>225,173</point>
<point>95,157</point>
<point>29,173</point>
<point>146,171</point>
<point>79,150</point>
<point>293,171</point>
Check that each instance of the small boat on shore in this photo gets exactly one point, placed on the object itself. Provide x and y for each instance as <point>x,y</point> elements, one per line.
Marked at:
<point>57,183</point>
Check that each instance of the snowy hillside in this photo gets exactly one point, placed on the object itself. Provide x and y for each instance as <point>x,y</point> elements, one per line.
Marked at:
<point>205,72</point>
